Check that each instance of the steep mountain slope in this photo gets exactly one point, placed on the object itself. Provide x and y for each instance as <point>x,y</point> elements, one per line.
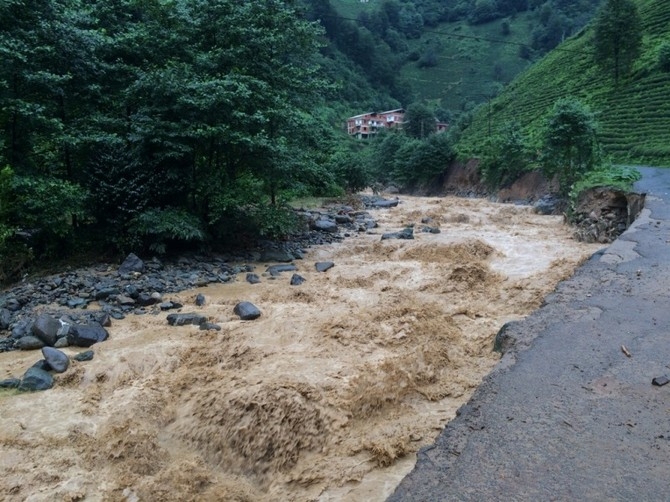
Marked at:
<point>634,115</point>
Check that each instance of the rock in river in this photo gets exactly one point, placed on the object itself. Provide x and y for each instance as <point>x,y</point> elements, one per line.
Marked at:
<point>247,311</point>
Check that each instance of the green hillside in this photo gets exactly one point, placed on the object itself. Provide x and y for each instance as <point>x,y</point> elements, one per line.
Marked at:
<point>471,63</point>
<point>634,116</point>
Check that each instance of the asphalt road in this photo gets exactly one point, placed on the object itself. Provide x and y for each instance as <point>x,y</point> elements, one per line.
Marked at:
<point>567,415</point>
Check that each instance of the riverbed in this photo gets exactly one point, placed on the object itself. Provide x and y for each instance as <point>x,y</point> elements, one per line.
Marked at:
<point>326,397</point>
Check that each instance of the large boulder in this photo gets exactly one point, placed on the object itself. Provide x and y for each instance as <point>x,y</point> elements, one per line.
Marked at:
<point>46,329</point>
<point>36,379</point>
<point>247,311</point>
<point>86,335</point>
<point>57,360</point>
<point>29,342</point>
<point>131,264</point>
<point>325,225</point>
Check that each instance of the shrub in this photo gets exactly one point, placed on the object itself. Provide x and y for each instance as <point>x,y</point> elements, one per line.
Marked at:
<point>156,228</point>
<point>664,56</point>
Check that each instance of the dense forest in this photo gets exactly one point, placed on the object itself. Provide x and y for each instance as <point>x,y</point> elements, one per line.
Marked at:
<point>153,124</point>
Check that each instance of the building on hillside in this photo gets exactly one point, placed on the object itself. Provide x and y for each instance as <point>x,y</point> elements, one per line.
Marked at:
<point>367,124</point>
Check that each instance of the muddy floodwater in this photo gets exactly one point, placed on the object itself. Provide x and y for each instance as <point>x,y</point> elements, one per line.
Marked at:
<point>326,397</point>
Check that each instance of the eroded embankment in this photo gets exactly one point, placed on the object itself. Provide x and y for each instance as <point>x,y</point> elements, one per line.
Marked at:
<point>325,397</point>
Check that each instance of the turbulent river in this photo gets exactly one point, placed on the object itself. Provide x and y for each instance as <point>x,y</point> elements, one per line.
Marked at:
<point>326,397</point>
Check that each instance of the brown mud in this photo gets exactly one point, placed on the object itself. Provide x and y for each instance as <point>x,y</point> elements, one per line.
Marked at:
<point>327,396</point>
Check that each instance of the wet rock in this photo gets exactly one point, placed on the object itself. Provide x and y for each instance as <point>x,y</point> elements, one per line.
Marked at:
<point>42,364</point>
<point>10,383</point>
<point>131,264</point>
<point>46,329</point>
<point>29,343</point>
<point>548,204</point>
<point>324,225</point>
<point>200,300</point>
<point>132,291</point>
<point>125,300</point>
<point>186,318</point>
<point>343,219</point>
<point>146,299</point>
<point>504,338</point>
<point>5,319</point>
<point>323,266</point>
<point>87,355</point>
<point>36,379</point>
<point>105,293</point>
<point>13,305</point>
<point>253,278</point>
<point>75,303</point>
<point>56,359</point>
<point>275,270</point>
<point>247,311</point>
<point>660,381</point>
<point>297,280</point>
<point>280,255</point>
<point>431,230</point>
<point>207,326</point>
<point>406,233</point>
<point>62,343</point>
<point>86,335</point>
<point>384,203</point>
<point>7,344</point>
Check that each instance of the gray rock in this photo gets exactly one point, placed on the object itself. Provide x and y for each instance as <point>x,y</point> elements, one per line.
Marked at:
<point>57,360</point>
<point>36,379</point>
<point>146,299</point>
<point>343,219</point>
<point>186,318</point>
<point>406,233</point>
<point>87,355</point>
<point>75,303</point>
<point>277,269</point>
<point>280,255</point>
<point>46,329</point>
<point>324,225</point>
<point>297,280</point>
<point>131,264</point>
<point>547,205</point>
<point>247,311</point>
<point>62,343</point>
<point>86,335</point>
<point>42,364</point>
<point>104,293</point>
<point>383,203</point>
<point>125,300</point>
<point>431,230</point>
<point>29,343</point>
<point>5,318</point>
<point>253,278</point>
<point>322,266</point>
<point>210,326</point>
<point>200,300</point>
<point>10,383</point>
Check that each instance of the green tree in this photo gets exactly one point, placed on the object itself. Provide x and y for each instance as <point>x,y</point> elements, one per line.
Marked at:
<point>570,147</point>
<point>617,36</point>
<point>507,157</point>
<point>419,121</point>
